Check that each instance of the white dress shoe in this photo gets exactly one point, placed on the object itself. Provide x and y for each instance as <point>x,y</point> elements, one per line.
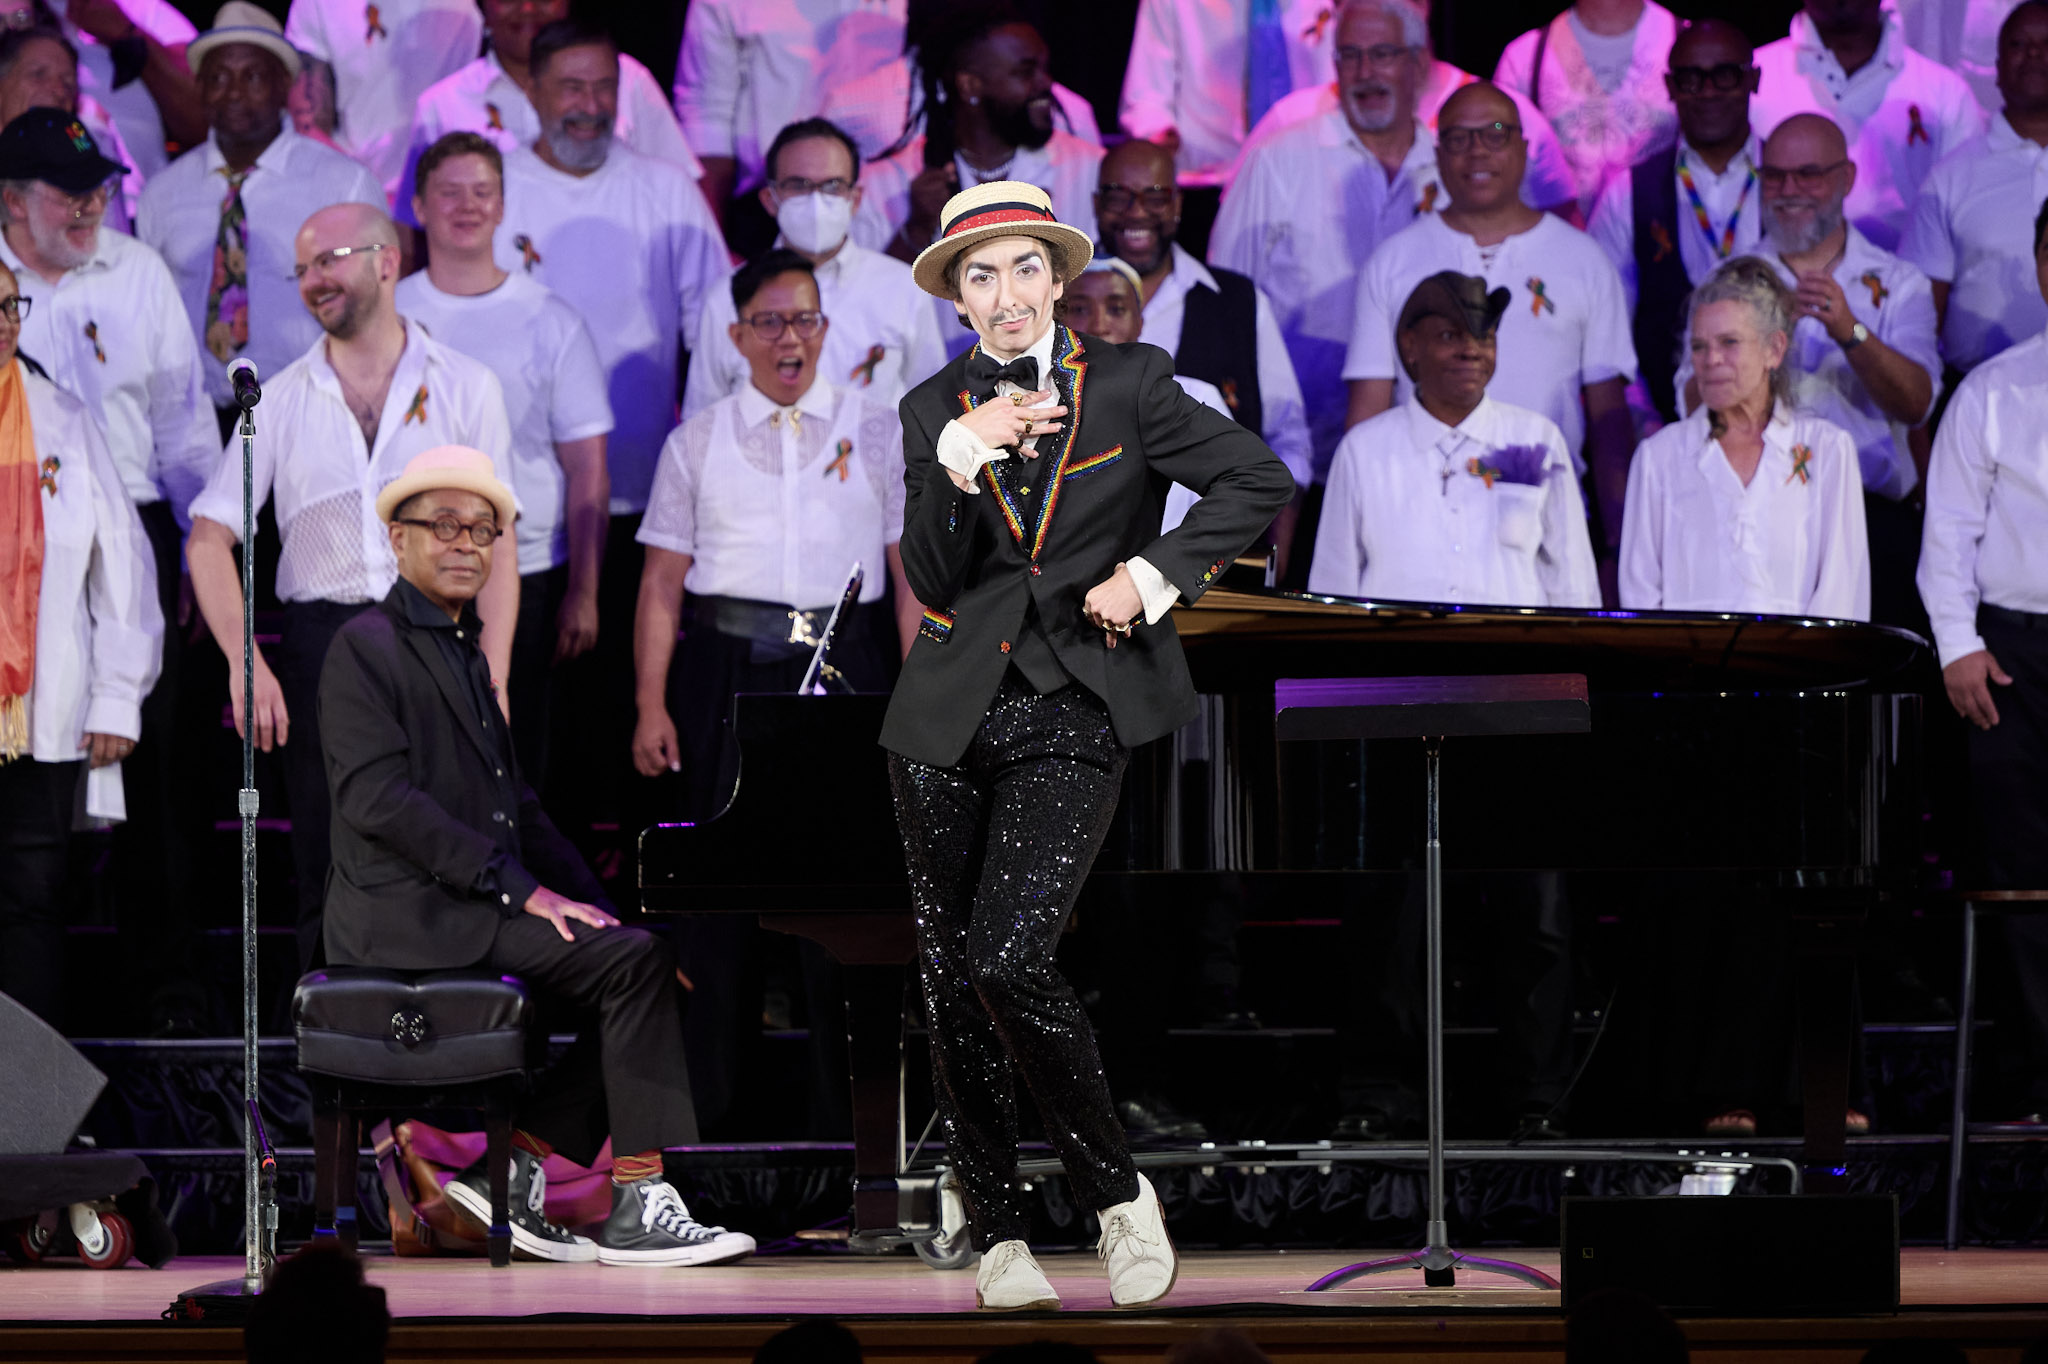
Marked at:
<point>1137,1250</point>
<point>1009,1280</point>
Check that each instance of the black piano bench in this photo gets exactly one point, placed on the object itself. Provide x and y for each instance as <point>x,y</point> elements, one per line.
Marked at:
<point>375,1041</point>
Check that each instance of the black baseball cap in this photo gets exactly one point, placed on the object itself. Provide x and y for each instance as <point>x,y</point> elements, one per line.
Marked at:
<point>53,146</point>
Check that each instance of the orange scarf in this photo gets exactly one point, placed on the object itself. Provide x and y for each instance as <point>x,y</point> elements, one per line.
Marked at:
<point>21,561</point>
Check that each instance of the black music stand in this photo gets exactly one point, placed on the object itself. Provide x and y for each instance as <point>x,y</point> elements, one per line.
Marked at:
<point>1431,709</point>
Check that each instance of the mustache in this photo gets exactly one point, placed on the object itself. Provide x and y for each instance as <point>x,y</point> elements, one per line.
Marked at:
<point>1371,90</point>
<point>1012,315</point>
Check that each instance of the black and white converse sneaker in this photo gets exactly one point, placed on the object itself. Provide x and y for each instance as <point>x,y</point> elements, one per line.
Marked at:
<point>533,1236</point>
<point>650,1226</point>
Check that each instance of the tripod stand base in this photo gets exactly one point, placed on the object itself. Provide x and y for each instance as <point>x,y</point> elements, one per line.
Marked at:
<point>1445,1277</point>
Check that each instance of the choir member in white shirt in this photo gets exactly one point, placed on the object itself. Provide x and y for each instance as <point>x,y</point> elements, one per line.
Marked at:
<point>1596,71</point>
<point>1454,496</point>
<point>1973,221</point>
<point>1749,504</point>
<point>72,683</point>
<point>884,337</point>
<point>339,423</point>
<point>554,388</point>
<point>1961,35</point>
<point>492,96</point>
<point>1847,60</point>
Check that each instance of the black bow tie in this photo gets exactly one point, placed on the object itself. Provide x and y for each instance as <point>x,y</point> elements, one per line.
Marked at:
<point>984,373</point>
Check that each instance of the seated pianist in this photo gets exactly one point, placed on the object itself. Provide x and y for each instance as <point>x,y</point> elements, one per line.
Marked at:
<point>1454,496</point>
<point>443,858</point>
<point>1748,504</point>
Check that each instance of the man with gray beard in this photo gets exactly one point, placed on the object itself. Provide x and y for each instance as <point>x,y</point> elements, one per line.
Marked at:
<point>1864,354</point>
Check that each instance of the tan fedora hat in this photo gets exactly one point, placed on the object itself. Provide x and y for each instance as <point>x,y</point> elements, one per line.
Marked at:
<point>1000,208</point>
<point>449,466</point>
<point>241,22</point>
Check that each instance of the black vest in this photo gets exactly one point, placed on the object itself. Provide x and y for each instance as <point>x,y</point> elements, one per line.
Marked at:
<point>1662,285</point>
<point>1219,343</point>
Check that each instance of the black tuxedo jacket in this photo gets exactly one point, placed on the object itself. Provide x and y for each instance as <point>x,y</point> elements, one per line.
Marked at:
<point>422,806</point>
<point>1130,433</point>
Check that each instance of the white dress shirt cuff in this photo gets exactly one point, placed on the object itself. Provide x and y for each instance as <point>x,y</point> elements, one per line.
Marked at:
<point>1158,594</point>
<point>114,715</point>
<point>1950,645</point>
<point>962,451</point>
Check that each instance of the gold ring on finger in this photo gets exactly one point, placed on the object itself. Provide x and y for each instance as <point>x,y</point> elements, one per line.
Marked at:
<point>1027,426</point>
<point>1016,400</point>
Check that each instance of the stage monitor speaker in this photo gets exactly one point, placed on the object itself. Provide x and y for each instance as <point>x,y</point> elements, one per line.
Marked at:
<point>1836,1255</point>
<point>48,1086</point>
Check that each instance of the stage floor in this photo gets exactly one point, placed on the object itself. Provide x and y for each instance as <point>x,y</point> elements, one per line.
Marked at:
<point>902,1310</point>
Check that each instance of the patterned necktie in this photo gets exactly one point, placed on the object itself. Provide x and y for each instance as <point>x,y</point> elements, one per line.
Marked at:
<point>227,297</point>
<point>1267,77</point>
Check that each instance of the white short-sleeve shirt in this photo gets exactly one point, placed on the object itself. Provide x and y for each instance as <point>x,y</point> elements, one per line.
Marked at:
<point>294,178</point>
<point>325,477</point>
<point>1566,326</point>
<point>633,247</point>
<point>1973,229</point>
<point>553,385</point>
<point>1421,511</point>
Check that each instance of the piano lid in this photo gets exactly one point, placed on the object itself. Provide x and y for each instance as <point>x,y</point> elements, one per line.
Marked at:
<point>1239,637</point>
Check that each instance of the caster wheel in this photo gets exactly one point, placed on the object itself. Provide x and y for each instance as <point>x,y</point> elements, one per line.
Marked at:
<point>1447,1277</point>
<point>953,1248</point>
<point>29,1241</point>
<point>107,1244</point>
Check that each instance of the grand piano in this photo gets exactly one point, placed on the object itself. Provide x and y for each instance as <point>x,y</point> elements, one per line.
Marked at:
<point>1778,749</point>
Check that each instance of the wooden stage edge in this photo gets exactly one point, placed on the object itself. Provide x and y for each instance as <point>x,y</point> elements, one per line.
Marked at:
<point>1991,1302</point>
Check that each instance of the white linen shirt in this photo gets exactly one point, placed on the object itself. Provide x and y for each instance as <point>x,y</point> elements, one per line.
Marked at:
<point>1576,333</point>
<point>633,247</point>
<point>1901,113</point>
<point>1064,168</point>
<point>482,99</point>
<point>384,56</point>
<point>113,334</point>
<point>131,108</point>
<point>99,629</point>
<point>1986,536</point>
<point>791,542</point>
<point>750,68</point>
<point>1603,132</point>
<point>1282,414</point>
<point>1614,224</point>
<point>1894,300</point>
<point>1693,538</point>
<point>310,454</point>
<point>871,302</point>
<point>1973,229</point>
<point>294,178</point>
<point>1409,516</point>
<point>551,379</point>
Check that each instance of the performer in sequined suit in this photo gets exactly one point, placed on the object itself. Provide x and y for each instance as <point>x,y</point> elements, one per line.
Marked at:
<point>1037,465</point>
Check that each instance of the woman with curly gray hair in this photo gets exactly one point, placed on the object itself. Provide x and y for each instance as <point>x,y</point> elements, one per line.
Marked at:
<point>1746,505</point>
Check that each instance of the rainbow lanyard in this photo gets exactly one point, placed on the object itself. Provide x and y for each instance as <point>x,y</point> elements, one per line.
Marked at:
<point>1726,245</point>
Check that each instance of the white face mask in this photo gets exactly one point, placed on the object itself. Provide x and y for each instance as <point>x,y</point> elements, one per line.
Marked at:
<point>815,223</point>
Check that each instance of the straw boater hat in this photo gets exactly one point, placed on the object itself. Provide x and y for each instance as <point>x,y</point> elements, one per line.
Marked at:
<point>449,466</point>
<point>1000,208</point>
<point>241,22</point>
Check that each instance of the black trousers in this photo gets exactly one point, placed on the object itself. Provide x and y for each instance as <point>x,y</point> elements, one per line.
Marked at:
<point>2009,772</point>
<point>628,1079</point>
<point>998,846</point>
<point>300,653</point>
<point>1893,529</point>
<point>36,804</point>
<point>534,680</point>
<point>591,781</point>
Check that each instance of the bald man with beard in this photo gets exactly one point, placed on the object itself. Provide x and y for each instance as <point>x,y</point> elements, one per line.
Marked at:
<point>335,426</point>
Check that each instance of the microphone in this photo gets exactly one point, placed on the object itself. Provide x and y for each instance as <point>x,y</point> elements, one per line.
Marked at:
<point>242,374</point>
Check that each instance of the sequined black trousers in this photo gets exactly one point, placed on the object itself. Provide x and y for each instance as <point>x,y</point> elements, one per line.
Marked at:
<point>998,846</point>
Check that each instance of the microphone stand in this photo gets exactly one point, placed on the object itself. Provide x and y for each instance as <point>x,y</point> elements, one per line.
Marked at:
<point>257,1217</point>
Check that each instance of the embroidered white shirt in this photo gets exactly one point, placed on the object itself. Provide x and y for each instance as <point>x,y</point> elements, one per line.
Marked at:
<point>1986,536</point>
<point>294,178</point>
<point>1411,514</point>
<point>1791,543</point>
<point>1973,229</point>
<point>310,455</point>
<point>1613,224</point>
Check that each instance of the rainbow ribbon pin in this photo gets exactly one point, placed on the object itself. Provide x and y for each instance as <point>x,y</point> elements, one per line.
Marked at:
<point>1878,293</point>
<point>418,411</point>
<point>1916,131</point>
<point>1801,457</point>
<point>840,464</point>
<point>1539,298</point>
<point>864,372</point>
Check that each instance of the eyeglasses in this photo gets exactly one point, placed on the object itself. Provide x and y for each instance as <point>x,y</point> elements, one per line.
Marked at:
<point>79,204</point>
<point>324,262</point>
<point>796,187</point>
<point>1691,80</point>
<point>1379,54</point>
<point>769,326</point>
<point>1808,178</point>
<point>1492,136</point>
<point>19,18</point>
<point>446,528</point>
<point>14,307</point>
<point>1117,199</point>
